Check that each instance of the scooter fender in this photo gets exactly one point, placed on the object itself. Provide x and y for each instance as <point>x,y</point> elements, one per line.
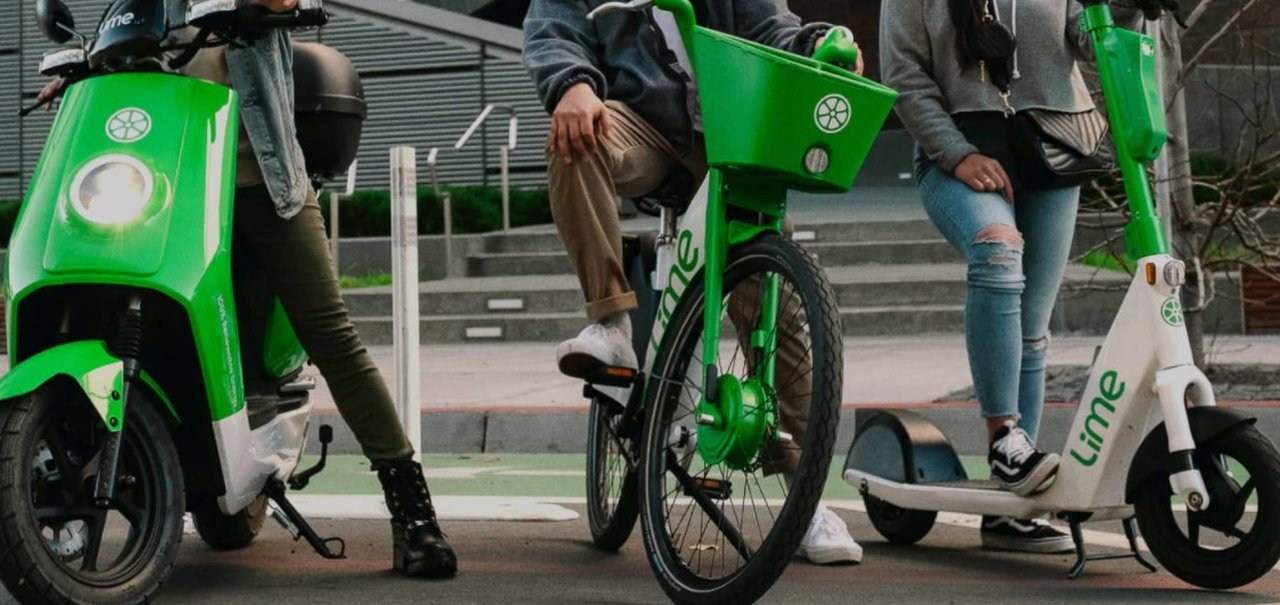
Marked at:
<point>1152,456</point>
<point>903,446</point>
<point>91,366</point>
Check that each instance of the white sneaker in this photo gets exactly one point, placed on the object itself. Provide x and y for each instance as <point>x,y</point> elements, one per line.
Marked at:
<point>828,540</point>
<point>602,345</point>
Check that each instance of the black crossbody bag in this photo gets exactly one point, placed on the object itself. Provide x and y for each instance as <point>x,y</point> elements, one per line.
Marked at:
<point>1038,148</point>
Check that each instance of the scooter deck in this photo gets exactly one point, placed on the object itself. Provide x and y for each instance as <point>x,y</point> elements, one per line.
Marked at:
<point>972,497</point>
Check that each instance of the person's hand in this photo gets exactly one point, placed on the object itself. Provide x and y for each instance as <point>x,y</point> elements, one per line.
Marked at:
<point>982,173</point>
<point>279,6</point>
<point>861,64</point>
<point>579,119</point>
<point>51,92</point>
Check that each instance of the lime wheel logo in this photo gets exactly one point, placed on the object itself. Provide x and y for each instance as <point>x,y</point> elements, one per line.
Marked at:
<point>128,125</point>
<point>832,113</point>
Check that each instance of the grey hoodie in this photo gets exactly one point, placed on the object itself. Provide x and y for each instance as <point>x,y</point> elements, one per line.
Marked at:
<point>917,58</point>
<point>625,59</point>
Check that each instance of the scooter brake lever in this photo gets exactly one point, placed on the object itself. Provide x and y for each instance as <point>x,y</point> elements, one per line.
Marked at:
<point>609,7</point>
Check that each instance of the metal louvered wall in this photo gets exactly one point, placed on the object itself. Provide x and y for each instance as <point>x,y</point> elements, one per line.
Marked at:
<point>424,87</point>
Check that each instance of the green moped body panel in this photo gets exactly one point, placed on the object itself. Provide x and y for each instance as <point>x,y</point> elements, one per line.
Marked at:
<point>282,354</point>
<point>179,245</point>
<point>90,365</point>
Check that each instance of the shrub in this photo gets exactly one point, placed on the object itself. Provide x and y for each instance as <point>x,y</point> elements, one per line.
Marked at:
<point>475,210</point>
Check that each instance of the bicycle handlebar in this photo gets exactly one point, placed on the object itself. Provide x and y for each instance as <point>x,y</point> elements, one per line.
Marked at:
<point>837,48</point>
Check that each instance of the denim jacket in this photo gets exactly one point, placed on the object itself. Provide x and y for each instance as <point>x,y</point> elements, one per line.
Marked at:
<point>262,74</point>
<point>624,58</point>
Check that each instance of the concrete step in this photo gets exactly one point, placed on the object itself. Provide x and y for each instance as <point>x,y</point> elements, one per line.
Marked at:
<point>884,252</point>
<point>544,240</point>
<point>481,295</point>
<point>879,252</point>
<point>518,263</point>
<point>554,327</point>
<point>859,286</point>
<point>902,320</point>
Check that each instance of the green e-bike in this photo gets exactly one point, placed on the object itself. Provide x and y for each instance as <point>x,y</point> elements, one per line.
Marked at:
<point>132,328</point>
<point>721,445</point>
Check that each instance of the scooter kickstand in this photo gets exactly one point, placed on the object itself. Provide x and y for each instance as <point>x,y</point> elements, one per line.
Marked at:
<point>289,518</point>
<point>1082,557</point>
<point>1131,532</point>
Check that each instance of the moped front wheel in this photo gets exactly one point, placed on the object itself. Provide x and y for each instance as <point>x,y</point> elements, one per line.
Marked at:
<point>61,547</point>
<point>1235,540</point>
<point>721,524</point>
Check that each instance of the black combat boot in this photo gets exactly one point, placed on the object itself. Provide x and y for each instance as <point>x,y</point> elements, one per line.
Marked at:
<point>419,547</point>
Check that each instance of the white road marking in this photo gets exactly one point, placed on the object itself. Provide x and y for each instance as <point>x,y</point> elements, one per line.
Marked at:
<point>448,508</point>
<point>541,473</point>
<point>460,472</point>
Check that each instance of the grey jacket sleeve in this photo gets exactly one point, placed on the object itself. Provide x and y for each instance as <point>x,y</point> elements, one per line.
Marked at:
<point>1125,16</point>
<point>771,22</point>
<point>906,66</point>
<point>560,49</point>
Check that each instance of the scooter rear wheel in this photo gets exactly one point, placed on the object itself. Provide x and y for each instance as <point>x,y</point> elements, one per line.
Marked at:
<point>1222,547</point>
<point>59,547</point>
<point>899,525</point>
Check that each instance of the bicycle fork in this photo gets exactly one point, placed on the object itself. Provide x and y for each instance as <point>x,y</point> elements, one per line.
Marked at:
<point>734,417</point>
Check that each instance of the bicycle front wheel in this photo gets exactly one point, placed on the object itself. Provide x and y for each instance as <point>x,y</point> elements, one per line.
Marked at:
<point>724,531</point>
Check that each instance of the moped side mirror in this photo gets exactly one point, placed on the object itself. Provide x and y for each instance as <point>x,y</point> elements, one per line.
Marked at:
<point>55,21</point>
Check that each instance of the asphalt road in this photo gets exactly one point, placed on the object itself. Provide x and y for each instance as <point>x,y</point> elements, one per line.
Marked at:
<point>535,563</point>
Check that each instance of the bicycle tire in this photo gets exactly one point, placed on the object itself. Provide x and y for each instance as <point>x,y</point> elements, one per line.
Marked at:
<point>767,562</point>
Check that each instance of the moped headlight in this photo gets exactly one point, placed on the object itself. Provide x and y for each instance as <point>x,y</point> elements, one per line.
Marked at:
<point>112,190</point>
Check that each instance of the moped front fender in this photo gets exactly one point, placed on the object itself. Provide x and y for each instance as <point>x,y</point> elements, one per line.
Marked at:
<point>91,366</point>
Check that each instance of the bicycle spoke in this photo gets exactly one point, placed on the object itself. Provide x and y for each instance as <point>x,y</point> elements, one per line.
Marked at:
<point>712,511</point>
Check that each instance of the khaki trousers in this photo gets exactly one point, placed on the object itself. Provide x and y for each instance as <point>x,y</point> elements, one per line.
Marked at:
<point>634,161</point>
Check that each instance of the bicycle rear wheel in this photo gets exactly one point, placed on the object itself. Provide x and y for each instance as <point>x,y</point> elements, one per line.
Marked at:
<point>612,507</point>
<point>724,532</point>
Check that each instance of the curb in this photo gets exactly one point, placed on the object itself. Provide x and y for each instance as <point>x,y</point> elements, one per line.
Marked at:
<point>564,430</point>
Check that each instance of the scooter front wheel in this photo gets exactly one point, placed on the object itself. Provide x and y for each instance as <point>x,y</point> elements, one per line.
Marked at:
<point>59,546</point>
<point>1234,541</point>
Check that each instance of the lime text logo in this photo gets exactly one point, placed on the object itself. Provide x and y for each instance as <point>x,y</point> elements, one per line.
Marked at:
<point>1101,410</point>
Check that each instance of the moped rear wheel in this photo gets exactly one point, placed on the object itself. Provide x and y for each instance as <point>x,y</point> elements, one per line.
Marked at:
<point>612,506</point>
<point>230,532</point>
<point>1226,545</point>
<point>59,547</point>
<point>723,532</point>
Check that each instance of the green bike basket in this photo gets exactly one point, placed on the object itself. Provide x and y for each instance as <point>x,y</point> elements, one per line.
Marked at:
<point>807,124</point>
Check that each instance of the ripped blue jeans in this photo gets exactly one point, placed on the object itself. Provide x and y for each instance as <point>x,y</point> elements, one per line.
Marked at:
<point>1016,254</point>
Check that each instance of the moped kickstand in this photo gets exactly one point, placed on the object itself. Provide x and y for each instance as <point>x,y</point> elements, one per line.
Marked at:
<point>288,516</point>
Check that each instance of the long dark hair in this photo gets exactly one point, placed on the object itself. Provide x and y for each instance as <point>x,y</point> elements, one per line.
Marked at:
<point>967,17</point>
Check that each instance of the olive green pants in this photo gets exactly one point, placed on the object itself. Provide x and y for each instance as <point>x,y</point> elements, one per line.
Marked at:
<point>290,259</point>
